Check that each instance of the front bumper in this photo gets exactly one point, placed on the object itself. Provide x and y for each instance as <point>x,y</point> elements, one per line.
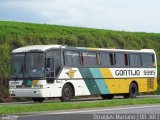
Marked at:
<point>30,92</point>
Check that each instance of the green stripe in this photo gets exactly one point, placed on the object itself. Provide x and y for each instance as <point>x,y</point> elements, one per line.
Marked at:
<point>100,82</point>
<point>89,80</point>
<point>27,83</point>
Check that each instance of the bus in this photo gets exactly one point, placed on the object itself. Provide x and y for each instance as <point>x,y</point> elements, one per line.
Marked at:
<point>46,71</point>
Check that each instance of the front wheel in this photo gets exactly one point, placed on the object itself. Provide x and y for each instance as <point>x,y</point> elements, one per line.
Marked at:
<point>67,93</point>
<point>133,90</point>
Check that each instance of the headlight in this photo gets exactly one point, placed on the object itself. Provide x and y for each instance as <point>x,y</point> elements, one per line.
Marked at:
<point>12,93</point>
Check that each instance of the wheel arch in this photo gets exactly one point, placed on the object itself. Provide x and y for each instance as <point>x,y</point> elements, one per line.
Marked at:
<point>134,81</point>
<point>72,86</point>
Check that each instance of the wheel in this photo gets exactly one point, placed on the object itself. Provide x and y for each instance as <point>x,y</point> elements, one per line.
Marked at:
<point>40,100</point>
<point>67,93</point>
<point>108,96</point>
<point>133,90</point>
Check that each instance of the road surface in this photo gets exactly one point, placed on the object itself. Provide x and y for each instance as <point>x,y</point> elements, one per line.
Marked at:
<point>141,112</point>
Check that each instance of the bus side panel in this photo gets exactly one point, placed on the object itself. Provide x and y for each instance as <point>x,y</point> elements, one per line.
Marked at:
<point>117,86</point>
<point>86,81</point>
<point>94,80</point>
<point>73,76</point>
<point>121,84</point>
<point>90,81</point>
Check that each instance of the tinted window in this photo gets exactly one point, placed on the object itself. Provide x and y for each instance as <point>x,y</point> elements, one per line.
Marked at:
<point>72,58</point>
<point>53,54</point>
<point>135,60</point>
<point>105,59</point>
<point>34,66</point>
<point>17,65</point>
<point>89,59</point>
<point>147,60</point>
<point>121,59</point>
<point>53,60</point>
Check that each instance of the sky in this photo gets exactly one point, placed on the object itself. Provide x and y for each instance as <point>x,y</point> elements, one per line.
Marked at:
<point>123,15</point>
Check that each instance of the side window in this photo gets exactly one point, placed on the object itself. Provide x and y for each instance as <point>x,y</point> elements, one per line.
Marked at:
<point>135,60</point>
<point>71,58</point>
<point>53,59</point>
<point>148,60</point>
<point>106,59</point>
<point>121,59</point>
<point>89,59</point>
<point>50,68</point>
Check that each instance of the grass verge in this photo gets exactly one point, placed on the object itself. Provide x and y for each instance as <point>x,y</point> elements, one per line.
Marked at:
<point>5,109</point>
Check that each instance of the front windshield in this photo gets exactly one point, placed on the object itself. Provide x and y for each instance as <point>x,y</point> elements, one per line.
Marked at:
<point>27,65</point>
<point>34,63</point>
<point>17,65</point>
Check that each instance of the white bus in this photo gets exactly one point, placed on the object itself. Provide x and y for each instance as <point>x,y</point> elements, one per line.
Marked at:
<point>43,71</point>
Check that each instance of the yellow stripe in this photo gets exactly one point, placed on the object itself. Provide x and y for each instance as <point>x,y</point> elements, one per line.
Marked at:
<point>34,82</point>
<point>106,73</point>
<point>92,49</point>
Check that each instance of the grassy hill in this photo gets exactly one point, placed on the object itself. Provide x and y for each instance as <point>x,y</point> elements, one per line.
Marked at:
<point>17,34</point>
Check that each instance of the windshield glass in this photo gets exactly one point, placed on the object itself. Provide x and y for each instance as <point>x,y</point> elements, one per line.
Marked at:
<point>29,65</point>
<point>17,65</point>
<point>34,63</point>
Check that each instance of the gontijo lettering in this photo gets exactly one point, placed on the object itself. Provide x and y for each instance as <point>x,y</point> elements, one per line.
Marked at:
<point>127,72</point>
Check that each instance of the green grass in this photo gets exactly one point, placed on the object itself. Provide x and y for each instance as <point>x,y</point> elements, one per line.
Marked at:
<point>14,109</point>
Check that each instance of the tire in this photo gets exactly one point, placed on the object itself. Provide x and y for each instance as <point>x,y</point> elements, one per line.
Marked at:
<point>108,96</point>
<point>67,93</point>
<point>133,90</point>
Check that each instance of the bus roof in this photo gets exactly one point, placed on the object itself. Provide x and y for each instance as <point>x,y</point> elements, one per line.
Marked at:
<point>35,48</point>
<point>46,47</point>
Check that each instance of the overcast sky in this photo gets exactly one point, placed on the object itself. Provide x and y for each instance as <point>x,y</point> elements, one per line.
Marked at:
<point>127,15</point>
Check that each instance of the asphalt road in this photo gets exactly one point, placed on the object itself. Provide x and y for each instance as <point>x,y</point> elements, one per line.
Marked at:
<point>147,112</point>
